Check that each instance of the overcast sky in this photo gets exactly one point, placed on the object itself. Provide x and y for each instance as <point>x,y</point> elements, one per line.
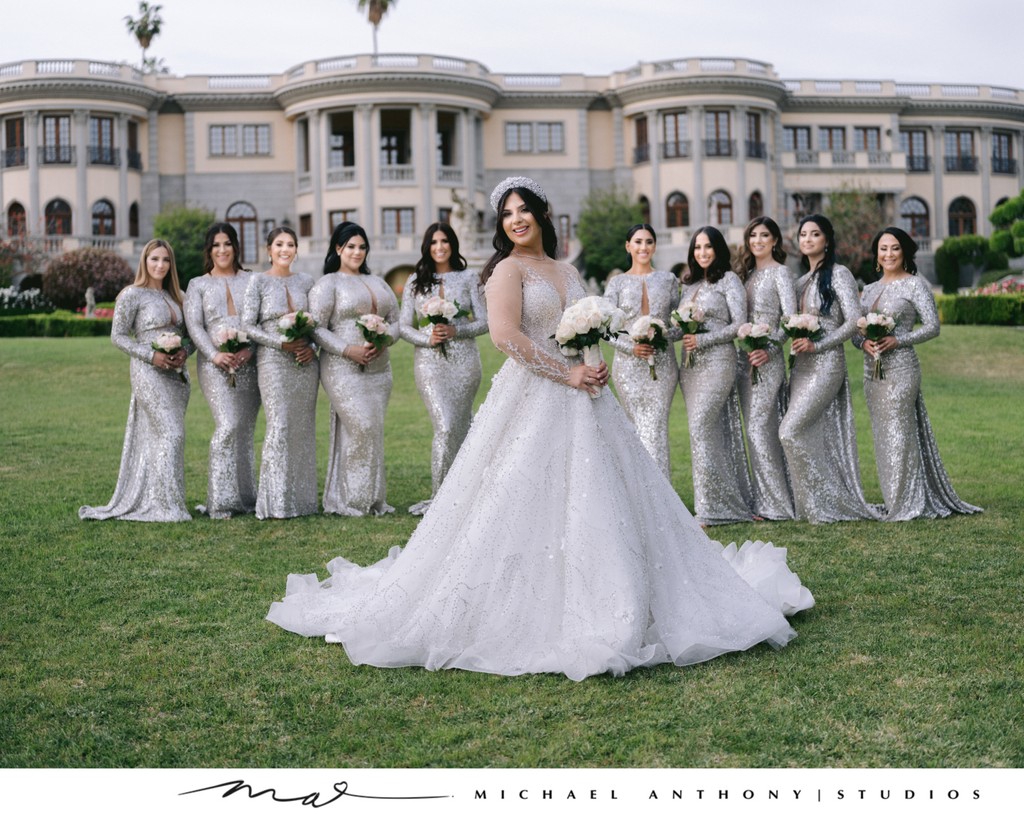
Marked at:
<point>909,40</point>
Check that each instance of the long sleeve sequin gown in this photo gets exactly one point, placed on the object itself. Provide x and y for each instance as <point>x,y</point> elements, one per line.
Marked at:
<point>151,480</point>
<point>770,296</point>
<point>555,544</point>
<point>817,432</point>
<point>447,385</point>
<point>721,483</point>
<point>355,483</point>
<point>913,480</point>
<point>231,482</point>
<point>647,402</point>
<point>287,483</point>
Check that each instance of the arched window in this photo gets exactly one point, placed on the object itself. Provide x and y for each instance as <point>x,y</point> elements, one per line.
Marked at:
<point>16,219</point>
<point>103,218</point>
<point>914,217</point>
<point>242,216</point>
<point>645,209</point>
<point>133,220</point>
<point>756,206</point>
<point>962,217</point>
<point>58,218</point>
<point>677,210</point>
<point>720,208</point>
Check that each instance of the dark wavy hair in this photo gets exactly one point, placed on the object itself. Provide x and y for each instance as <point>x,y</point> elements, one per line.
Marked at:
<point>211,234</point>
<point>747,264</point>
<point>339,238</point>
<point>635,229</point>
<point>907,245</point>
<point>719,267</point>
<point>426,270</point>
<point>826,293</point>
<point>503,245</point>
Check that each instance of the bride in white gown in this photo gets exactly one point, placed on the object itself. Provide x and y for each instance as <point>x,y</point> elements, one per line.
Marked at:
<point>555,543</point>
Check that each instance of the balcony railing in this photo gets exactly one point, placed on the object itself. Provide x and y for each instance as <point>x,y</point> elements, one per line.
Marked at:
<point>134,159</point>
<point>757,150</point>
<point>341,176</point>
<point>962,164</point>
<point>843,158</point>
<point>806,157</point>
<point>448,175</point>
<point>880,158</point>
<point>14,157</point>
<point>719,147</point>
<point>675,150</point>
<point>919,164</point>
<point>397,173</point>
<point>58,154</point>
<point>1003,164</point>
<point>641,153</point>
<point>104,155</point>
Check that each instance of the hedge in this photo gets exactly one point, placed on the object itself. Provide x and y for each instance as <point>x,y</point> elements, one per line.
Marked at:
<point>59,324</point>
<point>1008,309</point>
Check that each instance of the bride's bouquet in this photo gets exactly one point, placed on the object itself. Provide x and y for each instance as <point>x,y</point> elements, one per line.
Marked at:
<point>875,327</point>
<point>375,331</point>
<point>584,324</point>
<point>294,326</point>
<point>169,344</point>
<point>230,340</point>
<point>754,337</point>
<point>801,325</point>
<point>436,310</point>
<point>649,330</point>
<point>690,319</point>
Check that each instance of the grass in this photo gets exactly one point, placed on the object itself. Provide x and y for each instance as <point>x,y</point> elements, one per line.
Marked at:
<point>144,645</point>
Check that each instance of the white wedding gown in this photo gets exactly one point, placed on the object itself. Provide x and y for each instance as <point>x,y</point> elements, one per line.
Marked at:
<point>555,543</point>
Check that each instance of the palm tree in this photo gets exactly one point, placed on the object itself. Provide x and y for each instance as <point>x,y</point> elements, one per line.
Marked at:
<point>146,27</point>
<point>375,11</point>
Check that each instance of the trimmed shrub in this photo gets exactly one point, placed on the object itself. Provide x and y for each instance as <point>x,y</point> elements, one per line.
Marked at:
<point>68,276</point>
<point>183,228</point>
<point>1000,310</point>
<point>59,324</point>
<point>1001,241</point>
<point>1012,210</point>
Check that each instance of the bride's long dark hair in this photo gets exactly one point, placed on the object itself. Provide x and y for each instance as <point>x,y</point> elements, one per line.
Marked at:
<point>503,245</point>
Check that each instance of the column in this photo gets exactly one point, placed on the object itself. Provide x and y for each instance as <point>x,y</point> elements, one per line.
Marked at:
<point>366,148</point>
<point>81,216</point>
<point>121,213</point>
<point>741,168</point>
<point>939,211</point>
<point>699,204</point>
<point>152,199</point>
<point>467,126</point>
<point>33,222</point>
<point>780,176</point>
<point>622,175</point>
<point>316,175</point>
<point>984,227</point>
<point>426,164</point>
<point>654,152</point>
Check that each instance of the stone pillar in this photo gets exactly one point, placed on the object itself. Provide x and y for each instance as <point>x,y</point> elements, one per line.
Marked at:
<point>151,203</point>
<point>699,205</point>
<point>779,194</point>
<point>939,211</point>
<point>741,169</point>
<point>81,216</point>
<point>121,213</point>
<point>426,163</point>
<point>316,172</point>
<point>33,223</point>
<point>984,227</point>
<point>366,148</point>
<point>654,152</point>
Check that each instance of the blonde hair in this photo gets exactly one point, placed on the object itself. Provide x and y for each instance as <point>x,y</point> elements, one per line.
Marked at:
<point>170,282</point>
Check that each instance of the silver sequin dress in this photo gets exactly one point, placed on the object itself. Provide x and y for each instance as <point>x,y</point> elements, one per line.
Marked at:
<point>770,296</point>
<point>721,483</point>
<point>913,480</point>
<point>231,482</point>
<point>555,544</point>
<point>647,402</point>
<point>447,385</point>
<point>287,484</point>
<point>817,432</point>
<point>151,480</point>
<point>355,483</point>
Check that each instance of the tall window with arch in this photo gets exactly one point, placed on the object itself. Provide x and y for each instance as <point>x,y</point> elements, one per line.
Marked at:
<point>242,216</point>
<point>58,218</point>
<point>645,209</point>
<point>103,218</point>
<point>16,223</point>
<point>133,220</point>
<point>720,208</point>
<point>963,217</point>
<point>755,206</point>
<point>914,218</point>
<point>677,210</point>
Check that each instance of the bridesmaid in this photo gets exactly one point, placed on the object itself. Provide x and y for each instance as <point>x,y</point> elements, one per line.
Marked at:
<point>913,480</point>
<point>151,481</point>
<point>447,381</point>
<point>356,376</point>
<point>721,485</point>
<point>770,297</point>
<point>817,432</point>
<point>211,304</point>
<point>288,376</point>
<point>644,291</point>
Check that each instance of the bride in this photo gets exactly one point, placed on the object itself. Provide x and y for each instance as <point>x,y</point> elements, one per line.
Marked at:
<point>555,543</point>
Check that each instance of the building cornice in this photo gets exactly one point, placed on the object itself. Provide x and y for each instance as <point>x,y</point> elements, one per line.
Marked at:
<point>689,86</point>
<point>551,99</point>
<point>94,90</point>
<point>481,91</point>
<point>237,101</point>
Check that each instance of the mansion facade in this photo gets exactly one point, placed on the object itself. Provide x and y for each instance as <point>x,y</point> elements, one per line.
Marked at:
<point>92,151</point>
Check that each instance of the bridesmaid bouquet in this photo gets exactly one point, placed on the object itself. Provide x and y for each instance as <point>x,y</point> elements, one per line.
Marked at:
<point>436,310</point>
<point>170,343</point>
<point>294,326</point>
<point>648,330</point>
<point>875,327</point>
<point>754,337</point>
<point>230,340</point>
<point>801,325</point>
<point>584,324</point>
<point>375,330</point>
<point>690,319</point>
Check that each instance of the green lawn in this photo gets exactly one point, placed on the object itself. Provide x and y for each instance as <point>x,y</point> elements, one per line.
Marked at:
<point>144,645</point>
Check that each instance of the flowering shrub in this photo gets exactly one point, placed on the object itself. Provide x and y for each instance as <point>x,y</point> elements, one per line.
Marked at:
<point>1000,288</point>
<point>68,276</point>
<point>19,302</point>
<point>99,312</point>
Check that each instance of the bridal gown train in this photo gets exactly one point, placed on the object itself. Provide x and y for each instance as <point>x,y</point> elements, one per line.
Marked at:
<point>555,543</point>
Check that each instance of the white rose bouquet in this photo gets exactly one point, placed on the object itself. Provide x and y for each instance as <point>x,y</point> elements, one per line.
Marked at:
<point>170,343</point>
<point>649,330</point>
<point>230,340</point>
<point>375,330</point>
<point>436,310</point>
<point>754,337</point>
<point>801,325</point>
<point>875,327</point>
<point>584,324</point>
<point>690,319</point>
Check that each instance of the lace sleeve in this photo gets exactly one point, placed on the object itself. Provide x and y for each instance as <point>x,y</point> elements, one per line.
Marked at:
<point>736,302</point>
<point>407,317</point>
<point>477,325</point>
<point>924,304</point>
<point>787,301</point>
<point>846,300</point>
<point>321,308</point>
<point>195,320</point>
<point>251,305</point>
<point>122,328</point>
<point>505,309</point>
